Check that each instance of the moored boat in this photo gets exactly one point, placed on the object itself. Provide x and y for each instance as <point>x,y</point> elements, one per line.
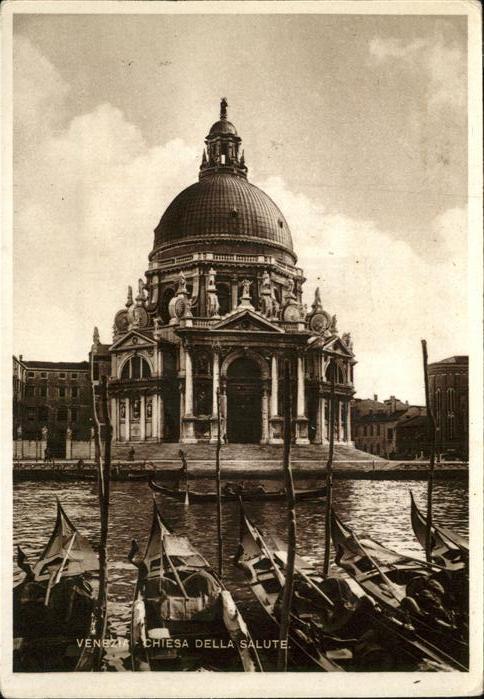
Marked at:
<point>55,604</point>
<point>233,494</point>
<point>449,549</point>
<point>183,617</point>
<point>334,625</point>
<point>411,591</point>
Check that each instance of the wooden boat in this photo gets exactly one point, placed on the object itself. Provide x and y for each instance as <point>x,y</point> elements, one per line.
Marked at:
<point>54,605</point>
<point>255,494</point>
<point>411,591</point>
<point>448,548</point>
<point>334,624</point>
<point>183,617</point>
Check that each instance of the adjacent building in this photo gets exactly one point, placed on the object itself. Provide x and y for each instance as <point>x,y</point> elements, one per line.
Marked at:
<point>376,424</point>
<point>52,405</point>
<point>449,398</point>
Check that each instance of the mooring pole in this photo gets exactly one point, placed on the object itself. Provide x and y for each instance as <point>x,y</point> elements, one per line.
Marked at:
<point>219,491</point>
<point>288,589</point>
<point>430,478</point>
<point>329,478</point>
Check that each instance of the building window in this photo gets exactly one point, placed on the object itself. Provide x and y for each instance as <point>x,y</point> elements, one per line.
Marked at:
<point>29,391</point>
<point>378,430</point>
<point>30,374</point>
<point>62,376</point>
<point>450,427</point>
<point>73,376</point>
<point>74,415</point>
<point>62,415</point>
<point>438,408</point>
<point>390,433</point>
<point>366,431</point>
<point>43,414</point>
<point>75,391</point>
<point>95,372</point>
<point>136,368</point>
<point>451,400</point>
<point>43,391</point>
<point>62,391</point>
<point>43,374</point>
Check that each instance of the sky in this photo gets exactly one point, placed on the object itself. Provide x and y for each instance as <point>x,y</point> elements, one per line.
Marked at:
<point>355,125</point>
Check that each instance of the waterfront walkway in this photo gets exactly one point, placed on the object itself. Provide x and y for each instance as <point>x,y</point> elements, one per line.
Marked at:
<point>240,461</point>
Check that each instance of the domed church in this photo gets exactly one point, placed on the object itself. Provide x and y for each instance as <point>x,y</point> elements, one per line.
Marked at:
<point>219,309</point>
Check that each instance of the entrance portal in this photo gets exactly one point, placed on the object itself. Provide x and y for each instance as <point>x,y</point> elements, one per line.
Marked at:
<point>244,402</point>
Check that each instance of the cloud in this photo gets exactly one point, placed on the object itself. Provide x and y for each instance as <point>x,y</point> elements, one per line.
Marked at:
<point>381,289</point>
<point>443,63</point>
<point>87,198</point>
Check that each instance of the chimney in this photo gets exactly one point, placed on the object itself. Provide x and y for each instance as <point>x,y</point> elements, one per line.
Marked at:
<point>394,403</point>
<point>21,356</point>
<point>375,397</point>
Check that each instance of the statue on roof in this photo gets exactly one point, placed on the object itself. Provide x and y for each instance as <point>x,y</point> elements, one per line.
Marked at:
<point>223,108</point>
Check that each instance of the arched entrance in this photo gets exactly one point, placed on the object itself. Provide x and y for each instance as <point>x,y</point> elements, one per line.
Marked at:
<point>244,402</point>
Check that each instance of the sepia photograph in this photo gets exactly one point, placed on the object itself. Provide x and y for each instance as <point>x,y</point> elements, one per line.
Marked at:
<point>242,303</point>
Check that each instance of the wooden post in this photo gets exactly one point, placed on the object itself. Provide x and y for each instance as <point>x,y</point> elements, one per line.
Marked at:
<point>219,491</point>
<point>288,589</point>
<point>329,478</point>
<point>430,479</point>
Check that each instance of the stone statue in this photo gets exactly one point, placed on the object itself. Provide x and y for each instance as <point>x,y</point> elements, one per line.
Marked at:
<point>157,323</point>
<point>348,340</point>
<point>246,284</point>
<point>266,295</point>
<point>332,328</point>
<point>45,433</point>
<point>213,305</point>
<point>141,289</point>
<point>316,304</point>
<point>182,284</point>
<point>290,288</point>
<point>276,307</point>
<point>223,108</point>
<point>129,301</point>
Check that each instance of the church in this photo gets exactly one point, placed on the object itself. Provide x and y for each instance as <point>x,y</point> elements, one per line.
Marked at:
<point>218,311</point>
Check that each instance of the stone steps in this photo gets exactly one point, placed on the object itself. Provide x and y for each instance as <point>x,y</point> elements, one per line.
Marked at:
<point>246,453</point>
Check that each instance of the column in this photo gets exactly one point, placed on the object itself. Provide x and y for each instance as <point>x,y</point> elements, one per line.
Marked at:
<point>234,288</point>
<point>301,420</point>
<point>274,386</point>
<point>215,388</point>
<point>127,421</point>
<point>348,422</point>
<point>68,444</point>
<point>188,385</point>
<point>114,418</point>
<point>340,421</point>
<point>324,426</point>
<point>142,417</point>
<point>161,418</point>
<point>300,387</point>
<point>154,417</point>
<point>215,382</point>
<point>318,437</point>
<point>265,415</point>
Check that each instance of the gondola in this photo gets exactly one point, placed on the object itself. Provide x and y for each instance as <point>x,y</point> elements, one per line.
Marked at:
<point>54,603</point>
<point>183,617</point>
<point>448,548</point>
<point>411,591</point>
<point>334,624</point>
<point>253,495</point>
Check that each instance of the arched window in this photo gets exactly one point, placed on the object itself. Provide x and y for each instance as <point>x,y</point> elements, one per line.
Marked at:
<point>223,295</point>
<point>136,368</point>
<point>168,294</point>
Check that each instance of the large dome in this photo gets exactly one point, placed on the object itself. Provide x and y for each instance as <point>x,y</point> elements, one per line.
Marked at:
<point>223,209</point>
<point>223,205</point>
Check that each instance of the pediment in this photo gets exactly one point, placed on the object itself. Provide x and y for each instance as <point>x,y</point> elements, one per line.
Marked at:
<point>132,340</point>
<point>330,344</point>
<point>247,321</point>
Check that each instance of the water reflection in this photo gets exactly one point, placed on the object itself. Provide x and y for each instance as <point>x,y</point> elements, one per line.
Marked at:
<point>380,508</point>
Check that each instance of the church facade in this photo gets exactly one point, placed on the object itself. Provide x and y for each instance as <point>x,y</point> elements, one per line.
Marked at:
<point>218,312</point>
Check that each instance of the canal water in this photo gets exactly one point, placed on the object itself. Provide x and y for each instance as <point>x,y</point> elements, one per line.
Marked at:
<point>378,508</point>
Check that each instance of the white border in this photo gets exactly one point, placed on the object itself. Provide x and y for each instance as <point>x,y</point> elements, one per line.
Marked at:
<point>270,684</point>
